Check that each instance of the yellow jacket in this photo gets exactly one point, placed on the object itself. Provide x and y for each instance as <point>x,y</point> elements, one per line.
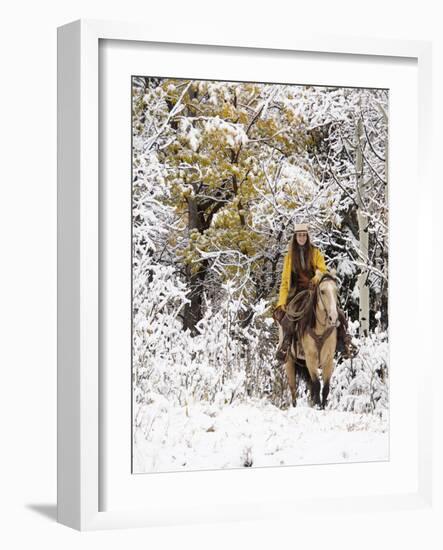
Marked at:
<point>318,262</point>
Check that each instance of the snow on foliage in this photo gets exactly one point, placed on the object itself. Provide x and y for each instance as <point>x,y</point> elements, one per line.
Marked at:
<point>362,385</point>
<point>221,173</point>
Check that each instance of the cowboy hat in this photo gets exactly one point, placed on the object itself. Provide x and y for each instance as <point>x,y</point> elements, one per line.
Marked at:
<point>301,227</point>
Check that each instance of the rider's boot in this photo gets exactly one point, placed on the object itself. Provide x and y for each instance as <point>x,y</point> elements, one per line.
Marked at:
<point>283,349</point>
<point>288,331</point>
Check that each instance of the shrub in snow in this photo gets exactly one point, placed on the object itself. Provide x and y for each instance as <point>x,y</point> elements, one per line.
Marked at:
<point>225,362</point>
<point>247,458</point>
<point>361,385</point>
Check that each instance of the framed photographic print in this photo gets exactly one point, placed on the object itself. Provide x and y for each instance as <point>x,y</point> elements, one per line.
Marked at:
<point>232,312</point>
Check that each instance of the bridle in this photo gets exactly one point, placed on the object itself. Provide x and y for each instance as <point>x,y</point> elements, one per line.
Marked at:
<point>325,277</point>
<point>320,339</point>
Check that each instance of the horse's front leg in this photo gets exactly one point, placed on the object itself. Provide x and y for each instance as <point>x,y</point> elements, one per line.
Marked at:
<point>290,371</point>
<point>312,366</point>
<point>328,368</point>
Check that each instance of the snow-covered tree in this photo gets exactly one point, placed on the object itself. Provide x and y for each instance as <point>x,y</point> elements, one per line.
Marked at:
<point>221,172</point>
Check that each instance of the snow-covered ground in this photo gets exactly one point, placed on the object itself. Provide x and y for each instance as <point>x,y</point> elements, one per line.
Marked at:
<point>204,436</point>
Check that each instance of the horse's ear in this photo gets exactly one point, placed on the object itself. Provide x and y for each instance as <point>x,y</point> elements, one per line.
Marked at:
<point>318,274</point>
<point>333,272</point>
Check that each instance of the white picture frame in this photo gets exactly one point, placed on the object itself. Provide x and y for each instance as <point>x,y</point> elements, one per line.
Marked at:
<point>79,369</point>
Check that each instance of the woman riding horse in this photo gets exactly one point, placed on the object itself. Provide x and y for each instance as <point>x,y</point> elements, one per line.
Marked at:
<point>299,273</point>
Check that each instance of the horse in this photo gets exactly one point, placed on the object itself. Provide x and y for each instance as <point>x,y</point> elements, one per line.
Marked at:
<point>316,333</point>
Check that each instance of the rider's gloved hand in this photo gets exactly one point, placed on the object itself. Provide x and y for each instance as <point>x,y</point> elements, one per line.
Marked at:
<point>314,282</point>
<point>315,279</point>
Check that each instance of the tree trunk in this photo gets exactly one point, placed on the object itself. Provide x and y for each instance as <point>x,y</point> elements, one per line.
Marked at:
<point>193,311</point>
<point>384,294</point>
<point>363,237</point>
<point>196,279</point>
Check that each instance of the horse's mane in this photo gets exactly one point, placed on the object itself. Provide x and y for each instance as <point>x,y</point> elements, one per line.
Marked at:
<point>308,319</point>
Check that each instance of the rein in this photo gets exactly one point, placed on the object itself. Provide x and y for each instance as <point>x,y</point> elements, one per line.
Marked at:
<point>320,339</point>
<point>325,277</point>
<point>304,300</point>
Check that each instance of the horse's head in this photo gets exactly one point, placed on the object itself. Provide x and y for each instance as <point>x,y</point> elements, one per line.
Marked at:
<point>326,290</point>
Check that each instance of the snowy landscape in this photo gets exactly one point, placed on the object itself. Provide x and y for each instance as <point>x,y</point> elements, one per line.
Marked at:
<point>254,434</point>
<point>221,173</point>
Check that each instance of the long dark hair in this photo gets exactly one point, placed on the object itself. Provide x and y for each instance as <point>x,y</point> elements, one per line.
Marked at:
<point>308,251</point>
